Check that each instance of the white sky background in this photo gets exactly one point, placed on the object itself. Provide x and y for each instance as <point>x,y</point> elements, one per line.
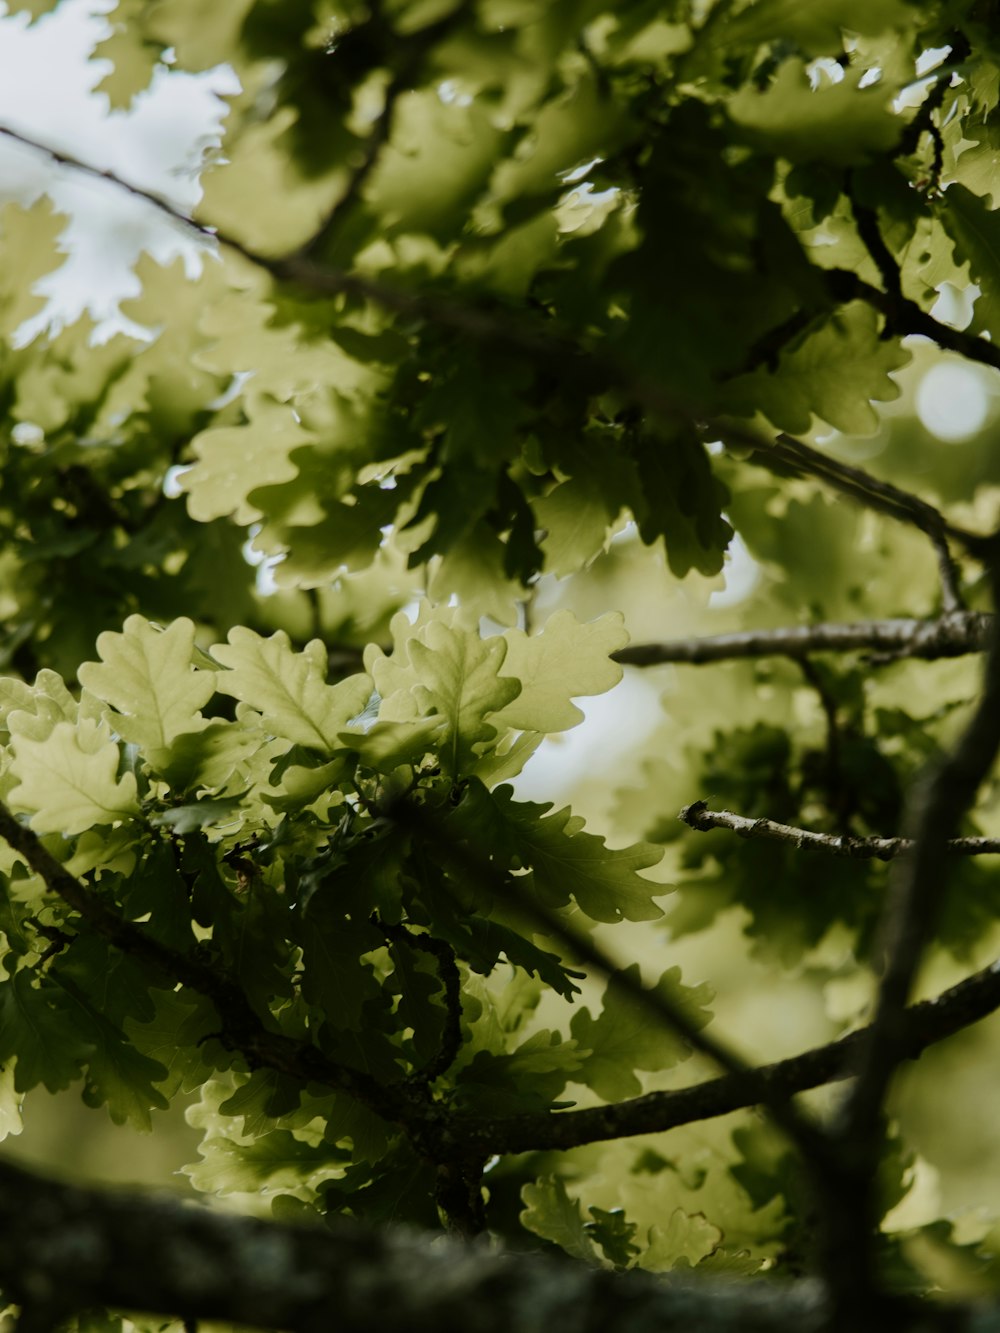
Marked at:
<point>47,93</point>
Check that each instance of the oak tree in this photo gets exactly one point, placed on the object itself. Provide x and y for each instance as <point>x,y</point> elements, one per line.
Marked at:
<point>533,344</point>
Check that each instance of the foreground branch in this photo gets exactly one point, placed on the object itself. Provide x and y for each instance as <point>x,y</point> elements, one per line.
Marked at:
<point>68,1249</point>
<point>951,635</point>
<point>698,816</point>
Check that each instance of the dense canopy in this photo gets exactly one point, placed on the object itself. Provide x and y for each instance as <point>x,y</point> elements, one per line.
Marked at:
<point>537,351</point>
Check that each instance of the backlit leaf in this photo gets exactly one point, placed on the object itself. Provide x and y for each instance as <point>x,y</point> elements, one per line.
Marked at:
<point>69,780</point>
<point>289,689</point>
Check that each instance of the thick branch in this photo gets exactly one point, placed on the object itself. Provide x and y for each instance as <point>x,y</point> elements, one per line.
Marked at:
<point>906,317</point>
<point>951,635</point>
<point>68,1249</point>
<point>698,816</point>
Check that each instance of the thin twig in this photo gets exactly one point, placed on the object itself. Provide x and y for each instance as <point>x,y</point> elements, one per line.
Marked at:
<point>948,572</point>
<point>950,635</point>
<point>899,504</point>
<point>866,221</point>
<point>488,325</point>
<point>698,816</point>
<point>451,982</point>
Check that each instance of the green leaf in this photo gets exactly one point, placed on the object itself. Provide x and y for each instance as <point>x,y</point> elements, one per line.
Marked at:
<point>549,1212</point>
<point>274,1161</point>
<point>133,60</point>
<point>834,372</point>
<point>528,1078</point>
<point>146,674</point>
<point>565,863</point>
<point>975,231</point>
<point>614,1233</point>
<point>684,1241</point>
<point>440,670</point>
<point>839,123</point>
<point>623,1038</point>
<point>69,780</point>
<point>175,1039</point>
<point>121,1077</point>
<point>563,661</point>
<point>289,689</point>
<point>38,1028</point>
<point>819,27</point>
<point>28,247</point>
<point>234,460</point>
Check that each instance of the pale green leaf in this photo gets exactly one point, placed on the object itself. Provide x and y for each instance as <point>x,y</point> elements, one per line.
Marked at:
<point>10,1101</point>
<point>276,1160</point>
<point>565,660</point>
<point>439,669</point>
<point>146,673</point>
<point>234,460</point>
<point>133,60</point>
<point>69,780</point>
<point>684,1241</point>
<point>577,517</point>
<point>34,711</point>
<point>29,251</point>
<point>289,689</point>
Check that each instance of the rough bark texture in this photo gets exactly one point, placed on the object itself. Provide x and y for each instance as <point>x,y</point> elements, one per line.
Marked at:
<point>67,1248</point>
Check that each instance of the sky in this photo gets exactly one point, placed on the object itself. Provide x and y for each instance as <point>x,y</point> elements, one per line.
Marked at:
<point>47,93</point>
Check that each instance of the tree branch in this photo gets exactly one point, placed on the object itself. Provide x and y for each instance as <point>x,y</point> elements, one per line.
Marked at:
<point>813,1144</point>
<point>925,1024</point>
<point>451,984</point>
<point>951,635</point>
<point>67,1249</point>
<point>936,809</point>
<point>484,324</point>
<point>914,906</point>
<point>906,317</point>
<point>699,817</point>
<point>854,481</point>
